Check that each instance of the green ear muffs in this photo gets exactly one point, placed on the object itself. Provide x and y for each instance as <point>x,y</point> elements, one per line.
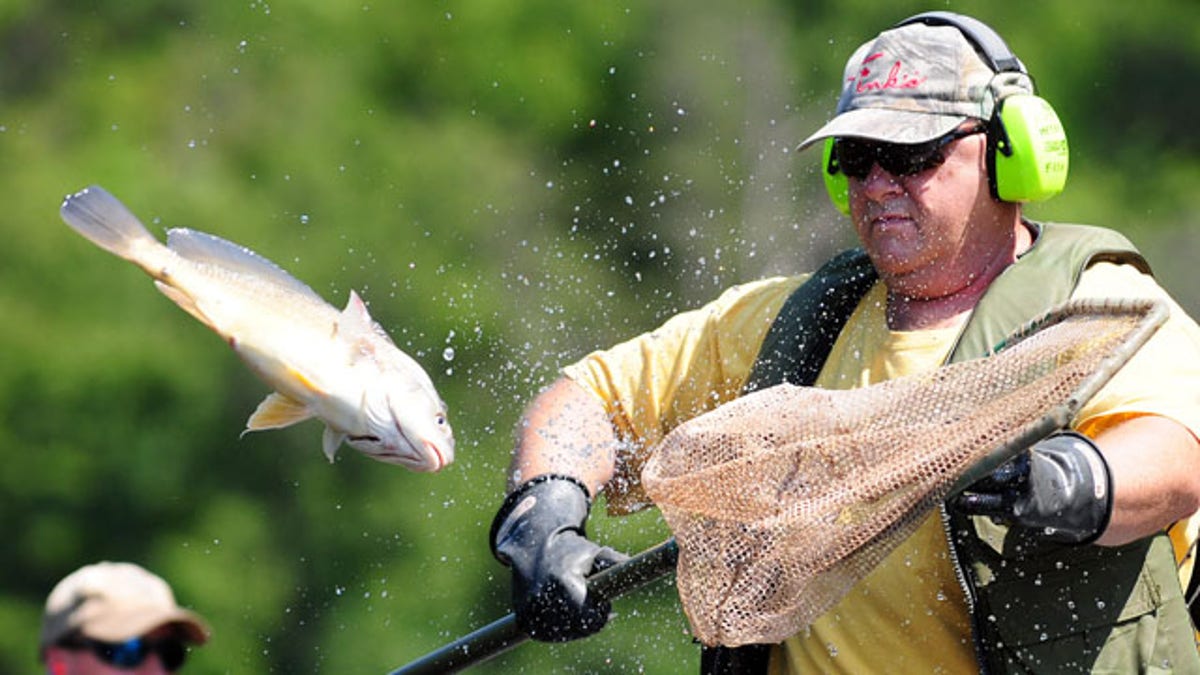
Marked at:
<point>1027,151</point>
<point>836,183</point>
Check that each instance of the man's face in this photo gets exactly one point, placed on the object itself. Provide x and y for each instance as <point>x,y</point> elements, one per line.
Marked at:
<point>931,232</point>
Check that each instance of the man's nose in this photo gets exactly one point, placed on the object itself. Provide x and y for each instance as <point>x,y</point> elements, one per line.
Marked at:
<point>879,183</point>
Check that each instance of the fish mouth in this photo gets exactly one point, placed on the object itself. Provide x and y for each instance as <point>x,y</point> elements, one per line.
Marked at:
<point>429,461</point>
<point>437,454</point>
<point>405,453</point>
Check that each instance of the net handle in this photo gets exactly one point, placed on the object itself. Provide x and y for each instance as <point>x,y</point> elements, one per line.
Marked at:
<point>504,634</point>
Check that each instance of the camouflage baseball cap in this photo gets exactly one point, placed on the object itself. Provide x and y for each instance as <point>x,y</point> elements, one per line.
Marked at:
<point>114,602</point>
<point>914,83</point>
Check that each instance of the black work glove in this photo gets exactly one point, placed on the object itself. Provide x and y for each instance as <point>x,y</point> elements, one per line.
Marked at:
<point>1060,487</point>
<point>539,533</point>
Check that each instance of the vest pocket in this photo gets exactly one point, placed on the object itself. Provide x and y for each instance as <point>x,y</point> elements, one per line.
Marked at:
<point>1111,618</point>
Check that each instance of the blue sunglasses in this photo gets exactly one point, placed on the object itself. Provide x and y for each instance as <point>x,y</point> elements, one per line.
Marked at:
<point>132,653</point>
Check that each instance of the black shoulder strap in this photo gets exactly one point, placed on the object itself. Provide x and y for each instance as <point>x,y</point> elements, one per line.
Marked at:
<point>810,320</point>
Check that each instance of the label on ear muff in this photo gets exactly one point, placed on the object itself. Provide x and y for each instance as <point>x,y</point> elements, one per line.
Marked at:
<point>836,183</point>
<point>1031,161</point>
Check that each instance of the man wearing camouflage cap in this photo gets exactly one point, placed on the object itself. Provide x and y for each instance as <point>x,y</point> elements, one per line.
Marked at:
<point>1065,559</point>
<point>116,617</point>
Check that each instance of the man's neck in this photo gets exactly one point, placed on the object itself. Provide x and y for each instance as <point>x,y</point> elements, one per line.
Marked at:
<point>907,314</point>
<point>906,311</point>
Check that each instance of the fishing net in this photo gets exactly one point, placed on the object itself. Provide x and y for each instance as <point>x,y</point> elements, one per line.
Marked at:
<point>783,499</point>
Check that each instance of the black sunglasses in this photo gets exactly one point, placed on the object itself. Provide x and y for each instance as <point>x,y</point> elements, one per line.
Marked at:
<point>855,157</point>
<point>132,653</point>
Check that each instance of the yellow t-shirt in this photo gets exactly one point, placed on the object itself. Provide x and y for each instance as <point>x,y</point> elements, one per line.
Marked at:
<point>909,614</point>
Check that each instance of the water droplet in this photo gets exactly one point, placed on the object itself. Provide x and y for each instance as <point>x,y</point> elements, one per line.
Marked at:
<point>448,353</point>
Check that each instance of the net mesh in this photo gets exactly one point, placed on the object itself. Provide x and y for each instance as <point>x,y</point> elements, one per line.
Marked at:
<point>784,498</point>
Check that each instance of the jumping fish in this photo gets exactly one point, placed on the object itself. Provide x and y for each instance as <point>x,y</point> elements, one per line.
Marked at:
<point>339,367</point>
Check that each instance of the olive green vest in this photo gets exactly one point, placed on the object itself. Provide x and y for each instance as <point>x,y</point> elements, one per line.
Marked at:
<point>1038,607</point>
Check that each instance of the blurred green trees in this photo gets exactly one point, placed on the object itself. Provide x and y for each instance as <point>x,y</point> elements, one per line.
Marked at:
<point>509,185</point>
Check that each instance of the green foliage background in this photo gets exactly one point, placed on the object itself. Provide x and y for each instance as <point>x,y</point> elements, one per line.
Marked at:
<point>509,185</point>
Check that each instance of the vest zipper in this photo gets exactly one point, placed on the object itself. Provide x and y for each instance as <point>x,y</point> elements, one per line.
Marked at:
<point>967,587</point>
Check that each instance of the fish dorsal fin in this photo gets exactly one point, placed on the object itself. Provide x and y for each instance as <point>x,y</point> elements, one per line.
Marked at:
<point>330,442</point>
<point>357,326</point>
<point>277,411</point>
<point>209,249</point>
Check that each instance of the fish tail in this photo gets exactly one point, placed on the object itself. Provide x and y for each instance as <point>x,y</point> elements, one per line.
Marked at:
<point>106,222</point>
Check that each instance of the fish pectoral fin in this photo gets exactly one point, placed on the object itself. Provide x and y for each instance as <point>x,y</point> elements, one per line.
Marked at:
<point>186,302</point>
<point>331,441</point>
<point>277,411</point>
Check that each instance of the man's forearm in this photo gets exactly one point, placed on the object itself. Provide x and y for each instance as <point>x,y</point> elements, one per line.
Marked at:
<point>565,430</point>
<point>1155,464</point>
